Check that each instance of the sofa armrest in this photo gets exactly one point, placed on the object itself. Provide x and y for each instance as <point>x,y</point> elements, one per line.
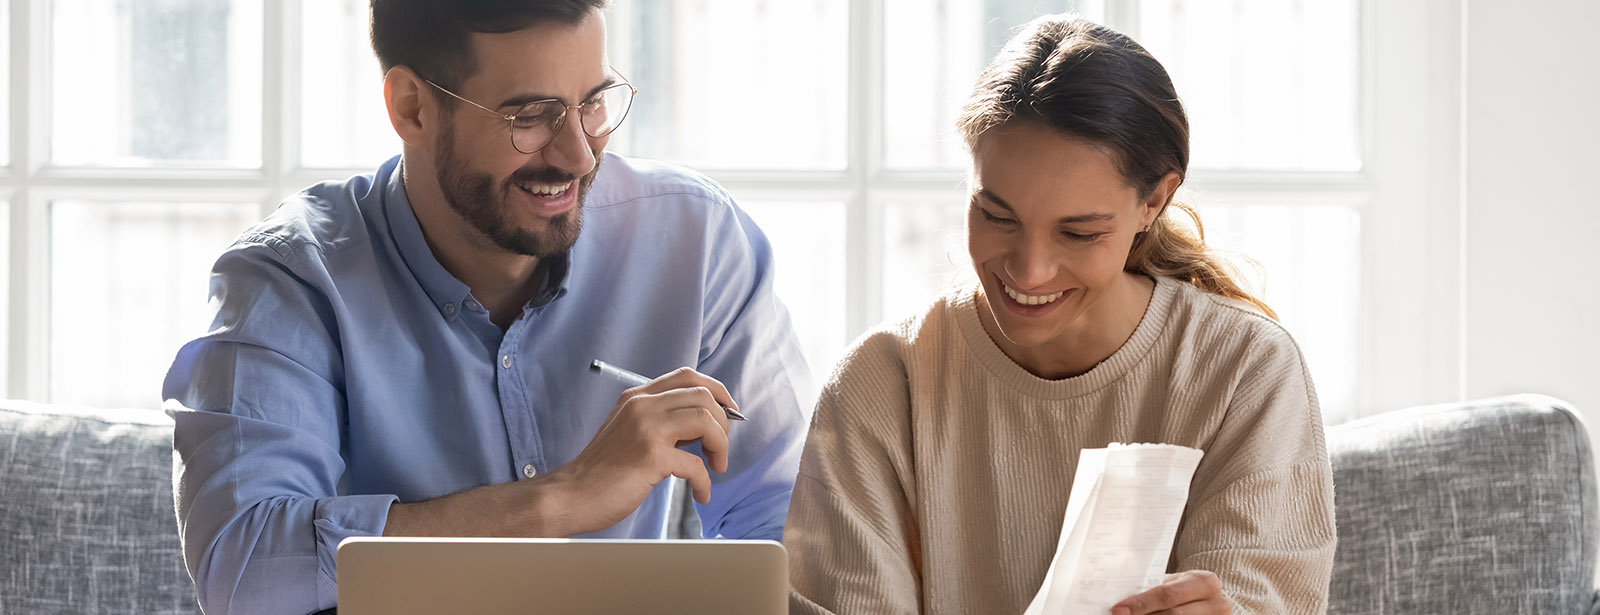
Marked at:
<point>1485,507</point>
<point>86,496</point>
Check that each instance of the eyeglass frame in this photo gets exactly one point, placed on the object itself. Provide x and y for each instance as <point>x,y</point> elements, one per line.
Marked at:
<point>565,108</point>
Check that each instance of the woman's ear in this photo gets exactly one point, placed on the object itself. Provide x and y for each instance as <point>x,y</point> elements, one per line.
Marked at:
<point>1160,197</point>
<point>411,109</point>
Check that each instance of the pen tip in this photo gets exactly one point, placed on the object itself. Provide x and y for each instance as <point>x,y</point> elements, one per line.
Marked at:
<point>595,365</point>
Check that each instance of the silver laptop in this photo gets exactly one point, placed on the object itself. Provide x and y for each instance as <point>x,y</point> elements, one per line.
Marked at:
<point>400,576</point>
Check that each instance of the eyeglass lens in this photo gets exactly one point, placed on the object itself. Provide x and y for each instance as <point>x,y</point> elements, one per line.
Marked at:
<point>536,123</point>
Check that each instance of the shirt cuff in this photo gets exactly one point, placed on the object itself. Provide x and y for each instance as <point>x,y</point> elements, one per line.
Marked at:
<point>338,518</point>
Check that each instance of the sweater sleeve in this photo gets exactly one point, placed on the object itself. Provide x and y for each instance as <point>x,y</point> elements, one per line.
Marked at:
<point>1260,511</point>
<point>851,534</point>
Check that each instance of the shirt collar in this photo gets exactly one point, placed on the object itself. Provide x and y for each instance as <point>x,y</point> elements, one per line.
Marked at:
<point>448,293</point>
<point>554,285</point>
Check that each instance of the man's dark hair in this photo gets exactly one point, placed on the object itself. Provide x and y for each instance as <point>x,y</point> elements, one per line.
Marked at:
<point>431,36</point>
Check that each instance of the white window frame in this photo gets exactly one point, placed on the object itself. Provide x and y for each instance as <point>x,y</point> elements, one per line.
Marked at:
<point>1408,191</point>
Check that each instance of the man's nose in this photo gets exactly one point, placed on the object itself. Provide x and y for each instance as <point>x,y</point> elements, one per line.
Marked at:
<point>570,150</point>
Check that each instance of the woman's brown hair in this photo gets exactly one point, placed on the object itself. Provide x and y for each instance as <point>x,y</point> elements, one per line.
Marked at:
<point>1093,83</point>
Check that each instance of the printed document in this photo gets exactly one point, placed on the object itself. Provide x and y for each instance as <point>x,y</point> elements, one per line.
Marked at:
<point>1122,517</point>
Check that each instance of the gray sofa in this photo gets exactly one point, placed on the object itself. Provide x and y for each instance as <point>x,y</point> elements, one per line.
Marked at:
<point>1485,507</point>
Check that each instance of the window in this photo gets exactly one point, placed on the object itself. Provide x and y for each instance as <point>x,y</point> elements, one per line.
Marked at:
<point>1276,169</point>
<point>5,306</point>
<point>150,133</point>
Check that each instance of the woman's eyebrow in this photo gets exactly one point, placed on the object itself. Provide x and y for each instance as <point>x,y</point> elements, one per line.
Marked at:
<point>1078,219</point>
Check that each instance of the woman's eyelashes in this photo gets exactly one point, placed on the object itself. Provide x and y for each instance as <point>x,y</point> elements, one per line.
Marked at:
<point>1081,237</point>
<point>993,219</point>
<point>1005,222</point>
<point>1008,223</point>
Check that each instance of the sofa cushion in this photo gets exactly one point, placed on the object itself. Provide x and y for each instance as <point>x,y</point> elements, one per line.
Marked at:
<point>87,501</point>
<point>1482,507</point>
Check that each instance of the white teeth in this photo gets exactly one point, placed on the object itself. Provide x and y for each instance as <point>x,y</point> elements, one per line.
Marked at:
<point>545,189</point>
<point>1031,299</point>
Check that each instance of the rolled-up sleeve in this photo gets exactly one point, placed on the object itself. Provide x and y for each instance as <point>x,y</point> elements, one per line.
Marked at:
<point>752,349</point>
<point>258,471</point>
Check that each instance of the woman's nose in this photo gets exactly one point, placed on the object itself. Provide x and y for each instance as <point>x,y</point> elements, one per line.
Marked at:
<point>1031,265</point>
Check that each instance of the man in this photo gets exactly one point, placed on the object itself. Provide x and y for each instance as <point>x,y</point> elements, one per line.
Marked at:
<point>406,353</point>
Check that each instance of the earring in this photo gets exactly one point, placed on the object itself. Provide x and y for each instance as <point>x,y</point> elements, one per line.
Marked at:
<point>1146,229</point>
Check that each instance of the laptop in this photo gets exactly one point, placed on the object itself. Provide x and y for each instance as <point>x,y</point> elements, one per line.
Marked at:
<point>400,576</point>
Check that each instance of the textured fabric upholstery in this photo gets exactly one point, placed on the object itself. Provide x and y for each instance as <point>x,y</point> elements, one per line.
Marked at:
<point>86,504</point>
<point>1482,507</point>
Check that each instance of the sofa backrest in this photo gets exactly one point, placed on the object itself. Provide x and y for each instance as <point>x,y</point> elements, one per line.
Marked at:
<point>86,499</point>
<point>1481,507</point>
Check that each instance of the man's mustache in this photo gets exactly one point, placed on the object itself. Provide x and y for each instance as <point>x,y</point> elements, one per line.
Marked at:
<point>540,176</point>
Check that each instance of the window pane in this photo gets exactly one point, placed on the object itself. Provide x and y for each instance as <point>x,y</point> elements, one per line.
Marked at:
<point>5,301</point>
<point>808,241</point>
<point>734,83</point>
<point>156,82</point>
<point>1268,84</point>
<point>128,286</point>
<point>933,53</point>
<point>343,119</point>
<point>1310,256</point>
<point>5,89</point>
<point>924,252</point>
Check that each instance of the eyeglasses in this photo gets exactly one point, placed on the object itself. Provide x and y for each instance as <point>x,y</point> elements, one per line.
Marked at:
<point>537,123</point>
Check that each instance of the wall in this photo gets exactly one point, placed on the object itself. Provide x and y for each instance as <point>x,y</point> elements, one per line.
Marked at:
<point>1531,210</point>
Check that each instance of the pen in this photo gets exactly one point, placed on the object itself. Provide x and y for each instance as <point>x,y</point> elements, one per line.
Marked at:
<point>635,380</point>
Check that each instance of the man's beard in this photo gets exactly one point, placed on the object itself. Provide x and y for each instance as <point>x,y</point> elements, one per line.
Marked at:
<point>478,200</point>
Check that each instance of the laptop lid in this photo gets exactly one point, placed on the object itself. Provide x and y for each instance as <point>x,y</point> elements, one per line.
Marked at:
<point>399,576</point>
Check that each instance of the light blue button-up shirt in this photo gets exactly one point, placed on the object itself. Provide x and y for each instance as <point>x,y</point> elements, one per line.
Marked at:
<point>346,370</point>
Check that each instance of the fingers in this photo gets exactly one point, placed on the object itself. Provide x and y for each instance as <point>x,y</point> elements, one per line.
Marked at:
<point>681,416</point>
<point>1193,592</point>
<point>637,446</point>
<point>690,397</point>
<point>698,423</point>
<point>689,424</point>
<point>684,378</point>
<point>687,466</point>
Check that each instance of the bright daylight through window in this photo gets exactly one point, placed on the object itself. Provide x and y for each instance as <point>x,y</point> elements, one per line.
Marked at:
<point>171,125</point>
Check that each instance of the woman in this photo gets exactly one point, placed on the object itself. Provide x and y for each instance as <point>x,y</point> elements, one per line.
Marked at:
<point>943,448</point>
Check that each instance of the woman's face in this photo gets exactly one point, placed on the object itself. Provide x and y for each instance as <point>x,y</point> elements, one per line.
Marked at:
<point>1050,224</point>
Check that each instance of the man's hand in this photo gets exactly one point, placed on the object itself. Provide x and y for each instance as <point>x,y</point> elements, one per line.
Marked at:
<point>1195,592</point>
<point>638,447</point>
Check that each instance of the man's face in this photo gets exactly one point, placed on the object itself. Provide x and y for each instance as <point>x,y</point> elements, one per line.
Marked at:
<point>528,204</point>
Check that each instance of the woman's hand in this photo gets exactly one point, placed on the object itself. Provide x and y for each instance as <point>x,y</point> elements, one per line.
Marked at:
<point>1194,592</point>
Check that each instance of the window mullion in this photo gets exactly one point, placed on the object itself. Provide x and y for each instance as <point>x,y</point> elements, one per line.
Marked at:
<point>864,162</point>
<point>30,95</point>
<point>280,119</point>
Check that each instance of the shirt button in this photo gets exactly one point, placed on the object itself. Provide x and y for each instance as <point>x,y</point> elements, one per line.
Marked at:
<point>449,309</point>
<point>473,305</point>
<point>528,471</point>
<point>505,361</point>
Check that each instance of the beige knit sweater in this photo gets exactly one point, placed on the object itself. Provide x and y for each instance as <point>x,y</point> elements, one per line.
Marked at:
<point>936,474</point>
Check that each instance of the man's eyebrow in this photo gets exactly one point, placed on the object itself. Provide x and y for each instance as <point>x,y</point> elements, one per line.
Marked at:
<point>1078,219</point>
<point>522,99</point>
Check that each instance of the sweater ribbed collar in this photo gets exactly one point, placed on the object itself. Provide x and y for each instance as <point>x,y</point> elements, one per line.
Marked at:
<point>964,304</point>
